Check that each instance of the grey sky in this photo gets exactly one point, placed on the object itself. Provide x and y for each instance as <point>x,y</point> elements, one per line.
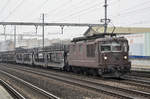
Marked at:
<point>122,13</point>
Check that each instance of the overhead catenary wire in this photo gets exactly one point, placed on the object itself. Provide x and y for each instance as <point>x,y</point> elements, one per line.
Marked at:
<point>4,6</point>
<point>58,13</point>
<point>140,22</point>
<point>127,12</point>
<point>132,12</point>
<point>61,6</point>
<point>80,3</point>
<point>91,8</point>
<point>40,6</point>
<point>112,2</point>
<point>14,9</point>
<point>80,11</point>
<point>85,12</point>
<point>76,14</point>
<point>137,5</point>
<point>64,9</point>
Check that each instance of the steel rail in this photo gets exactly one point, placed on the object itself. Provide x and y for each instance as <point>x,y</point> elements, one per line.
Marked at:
<point>60,78</point>
<point>49,95</point>
<point>12,91</point>
<point>89,84</point>
<point>82,83</point>
<point>137,79</point>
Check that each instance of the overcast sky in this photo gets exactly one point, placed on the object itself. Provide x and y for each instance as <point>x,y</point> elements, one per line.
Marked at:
<point>125,13</point>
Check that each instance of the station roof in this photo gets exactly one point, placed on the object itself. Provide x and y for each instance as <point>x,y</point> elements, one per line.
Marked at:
<point>118,30</point>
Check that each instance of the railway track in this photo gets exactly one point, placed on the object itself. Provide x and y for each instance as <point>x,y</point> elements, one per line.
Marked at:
<point>11,90</point>
<point>40,91</point>
<point>141,74</point>
<point>137,79</point>
<point>128,80</point>
<point>97,86</point>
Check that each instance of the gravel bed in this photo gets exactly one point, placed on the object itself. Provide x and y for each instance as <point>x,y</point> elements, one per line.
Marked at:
<point>116,83</point>
<point>60,89</point>
<point>25,91</point>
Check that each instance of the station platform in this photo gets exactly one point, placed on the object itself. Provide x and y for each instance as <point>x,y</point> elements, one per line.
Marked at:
<point>4,94</point>
<point>140,64</point>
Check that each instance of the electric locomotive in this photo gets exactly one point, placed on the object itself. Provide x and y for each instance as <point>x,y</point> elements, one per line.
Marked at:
<point>101,54</point>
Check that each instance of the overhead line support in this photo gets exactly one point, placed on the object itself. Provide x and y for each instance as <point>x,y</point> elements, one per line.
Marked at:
<point>50,24</point>
<point>105,16</point>
<point>43,29</point>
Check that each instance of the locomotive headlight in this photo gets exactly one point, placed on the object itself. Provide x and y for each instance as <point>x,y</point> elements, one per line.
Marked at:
<point>125,57</point>
<point>105,57</point>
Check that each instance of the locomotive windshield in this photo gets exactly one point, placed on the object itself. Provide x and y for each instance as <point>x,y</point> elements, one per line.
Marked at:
<point>116,48</point>
<point>105,48</point>
<point>113,47</point>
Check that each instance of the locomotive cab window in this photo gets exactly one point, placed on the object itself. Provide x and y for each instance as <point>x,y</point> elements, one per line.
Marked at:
<point>105,48</point>
<point>116,48</point>
<point>125,46</point>
<point>111,47</point>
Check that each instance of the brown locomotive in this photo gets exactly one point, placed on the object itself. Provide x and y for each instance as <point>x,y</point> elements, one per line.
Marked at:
<point>103,54</point>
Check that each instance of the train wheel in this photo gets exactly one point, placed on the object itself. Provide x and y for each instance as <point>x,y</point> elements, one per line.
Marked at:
<point>74,69</point>
<point>67,68</point>
<point>45,67</point>
<point>100,72</point>
<point>94,72</point>
<point>117,74</point>
<point>85,71</point>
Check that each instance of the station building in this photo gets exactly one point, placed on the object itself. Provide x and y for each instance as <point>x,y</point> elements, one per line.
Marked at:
<point>139,42</point>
